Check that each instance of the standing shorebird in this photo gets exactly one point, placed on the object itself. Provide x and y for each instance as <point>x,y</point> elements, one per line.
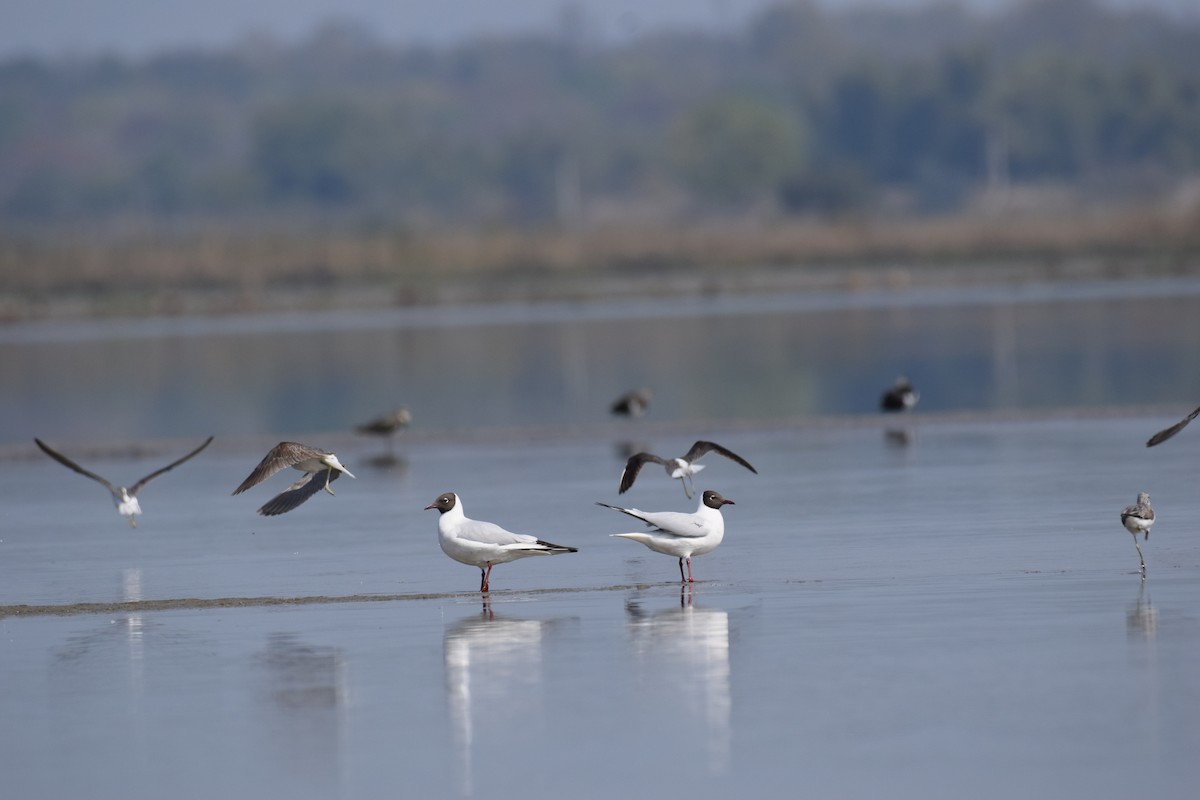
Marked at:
<point>681,468</point>
<point>125,499</point>
<point>482,544</point>
<point>1167,433</point>
<point>675,533</point>
<point>309,460</point>
<point>632,404</point>
<point>901,397</point>
<point>1138,519</point>
<point>388,425</point>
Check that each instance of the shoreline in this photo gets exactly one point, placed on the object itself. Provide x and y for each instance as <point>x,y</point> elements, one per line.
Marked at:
<point>226,273</point>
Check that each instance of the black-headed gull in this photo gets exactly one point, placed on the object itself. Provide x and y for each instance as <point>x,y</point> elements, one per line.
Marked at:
<point>681,468</point>
<point>482,544</point>
<point>125,499</point>
<point>1167,433</point>
<point>632,404</point>
<point>320,469</point>
<point>675,533</point>
<point>901,397</point>
<point>1137,519</point>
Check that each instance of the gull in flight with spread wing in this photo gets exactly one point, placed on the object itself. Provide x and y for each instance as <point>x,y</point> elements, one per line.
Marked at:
<point>681,468</point>
<point>1167,433</point>
<point>320,469</point>
<point>125,499</point>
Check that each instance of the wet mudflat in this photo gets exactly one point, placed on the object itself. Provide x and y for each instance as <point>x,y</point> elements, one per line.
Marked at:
<point>944,605</point>
<point>951,612</point>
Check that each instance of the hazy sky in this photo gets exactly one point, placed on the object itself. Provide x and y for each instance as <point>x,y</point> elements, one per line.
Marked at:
<point>138,27</point>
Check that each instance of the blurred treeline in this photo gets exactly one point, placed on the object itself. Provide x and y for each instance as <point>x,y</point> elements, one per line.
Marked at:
<point>806,111</point>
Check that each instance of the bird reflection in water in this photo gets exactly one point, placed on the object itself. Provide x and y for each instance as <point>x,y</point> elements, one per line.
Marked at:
<point>686,649</point>
<point>305,691</point>
<point>389,462</point>
<point>493,675</point>
<point>1141,620</point>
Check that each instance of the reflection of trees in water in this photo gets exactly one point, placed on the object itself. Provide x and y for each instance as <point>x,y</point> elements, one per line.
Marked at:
<point>686,649</point>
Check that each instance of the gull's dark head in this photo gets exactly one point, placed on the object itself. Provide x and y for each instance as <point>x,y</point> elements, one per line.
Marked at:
<point>714,499</point>
<point>444,502</point>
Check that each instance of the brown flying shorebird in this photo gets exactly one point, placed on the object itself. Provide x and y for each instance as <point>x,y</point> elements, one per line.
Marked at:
<point>309,460</point>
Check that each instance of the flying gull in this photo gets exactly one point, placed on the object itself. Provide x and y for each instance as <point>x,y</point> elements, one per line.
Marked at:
<point>681,468</point>
<point>125,499</point>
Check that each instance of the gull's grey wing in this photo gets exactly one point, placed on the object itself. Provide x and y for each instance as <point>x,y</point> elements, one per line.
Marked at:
<point>1167,433</point>
<point>672,523</point>
<point>298,492</point>
<point>633,466</point>
<point>281,456</point>
<point>69,464</point>
<point>474,530</point>
<point>134,489</point>
<point>700,448</point>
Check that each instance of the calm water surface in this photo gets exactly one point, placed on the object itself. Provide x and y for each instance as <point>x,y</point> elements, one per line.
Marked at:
<point>952,612</point>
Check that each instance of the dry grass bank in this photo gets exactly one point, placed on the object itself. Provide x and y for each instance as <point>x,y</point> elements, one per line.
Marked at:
<point>226,271</point>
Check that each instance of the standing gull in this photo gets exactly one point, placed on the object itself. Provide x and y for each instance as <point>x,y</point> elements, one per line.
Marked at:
<point>1138,519</point>
<point>1167,433</point>
<point>675,533</point>
<point>125,499</point>
<point>309,460</point>
<point>482,544</point>
<point>901,397</point>
<point>681,468</point>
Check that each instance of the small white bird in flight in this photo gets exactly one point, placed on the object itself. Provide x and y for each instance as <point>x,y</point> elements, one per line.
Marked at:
<point>482,544</point>
<point>125,499</point>
<point>681,468</point>
<point>316,464</point>
<point>901,397</point>
<point>1137,519</point>
<point>675,533</point>
<point>1167,433</point>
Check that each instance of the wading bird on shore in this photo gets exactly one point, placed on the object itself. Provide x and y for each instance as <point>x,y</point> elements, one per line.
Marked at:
<point>124,499</point>
<point>320,469</point>
<point>483,544</point>
<point>901,397</point>
<point>387,425</point>
<point>632,404</point>
<point>675,533</point>
<point>681,468</point>
<point>1137,519</point>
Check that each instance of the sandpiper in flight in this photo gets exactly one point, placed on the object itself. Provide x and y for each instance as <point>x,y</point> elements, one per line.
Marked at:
<point>321,468</point>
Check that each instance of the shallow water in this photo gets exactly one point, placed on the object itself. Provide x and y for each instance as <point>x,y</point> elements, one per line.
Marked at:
<point>951,612</point>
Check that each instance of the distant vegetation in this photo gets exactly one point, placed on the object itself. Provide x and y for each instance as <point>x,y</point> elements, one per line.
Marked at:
<point>805,112</point>
<point>808,135</point>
